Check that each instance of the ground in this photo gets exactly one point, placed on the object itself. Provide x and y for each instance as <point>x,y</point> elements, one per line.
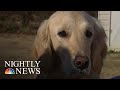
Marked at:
<point>14,47</point>
<point>111,66</point>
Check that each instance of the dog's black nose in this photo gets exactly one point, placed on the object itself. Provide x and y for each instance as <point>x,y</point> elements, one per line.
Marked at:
<point>81,62</point>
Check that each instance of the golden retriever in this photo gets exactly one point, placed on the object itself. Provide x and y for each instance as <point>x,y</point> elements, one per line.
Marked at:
<point>70,45</point>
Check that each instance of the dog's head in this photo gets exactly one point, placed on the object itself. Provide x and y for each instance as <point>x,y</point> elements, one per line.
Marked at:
<point>72,41</point>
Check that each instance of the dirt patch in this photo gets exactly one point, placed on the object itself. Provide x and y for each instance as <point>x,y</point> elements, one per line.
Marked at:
<point>14,47</point>
<point>111,66</point>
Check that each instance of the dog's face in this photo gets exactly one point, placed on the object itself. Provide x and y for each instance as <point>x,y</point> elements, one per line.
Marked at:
<point>74,37</point>
<point>74,33</point>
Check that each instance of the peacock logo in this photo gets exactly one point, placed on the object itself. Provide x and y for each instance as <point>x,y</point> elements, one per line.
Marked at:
<point>9,71</point>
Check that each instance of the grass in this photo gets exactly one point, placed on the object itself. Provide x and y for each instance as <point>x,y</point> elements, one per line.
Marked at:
<point>113,52</point>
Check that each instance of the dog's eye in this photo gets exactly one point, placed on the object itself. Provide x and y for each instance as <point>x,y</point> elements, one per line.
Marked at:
<point>62,34</point>
<point>88,34</point>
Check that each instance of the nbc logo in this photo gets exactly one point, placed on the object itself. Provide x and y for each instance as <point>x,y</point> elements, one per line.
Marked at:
<point>9,71</point>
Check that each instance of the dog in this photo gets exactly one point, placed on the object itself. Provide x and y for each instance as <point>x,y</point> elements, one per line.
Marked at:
<point>70,45</point>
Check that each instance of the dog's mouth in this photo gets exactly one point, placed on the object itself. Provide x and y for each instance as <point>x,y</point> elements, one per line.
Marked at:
<point>82,65</point>
<point>78,74</point>
<point>77,66</point>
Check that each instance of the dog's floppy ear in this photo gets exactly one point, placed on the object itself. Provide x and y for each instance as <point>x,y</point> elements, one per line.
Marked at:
<point>43,51</point>
<point>99,47</point>
<point>42,40</point>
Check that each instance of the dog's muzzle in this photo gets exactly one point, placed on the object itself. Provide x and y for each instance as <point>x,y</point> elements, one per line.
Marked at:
<point>81,62</point>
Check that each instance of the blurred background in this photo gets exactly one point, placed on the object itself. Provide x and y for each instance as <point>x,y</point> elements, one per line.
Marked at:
<point>26,22</point>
